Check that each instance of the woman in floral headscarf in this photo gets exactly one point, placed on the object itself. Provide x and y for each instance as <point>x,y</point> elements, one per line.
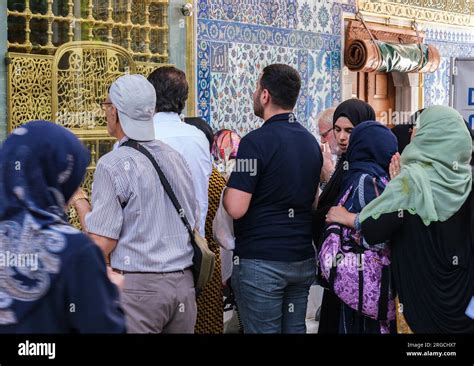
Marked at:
<point>210,302</point>
<point>224,150</point>
<point>61,284</point>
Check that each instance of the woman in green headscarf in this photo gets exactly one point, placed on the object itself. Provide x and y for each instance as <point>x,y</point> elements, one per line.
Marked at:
<point>427,213</point>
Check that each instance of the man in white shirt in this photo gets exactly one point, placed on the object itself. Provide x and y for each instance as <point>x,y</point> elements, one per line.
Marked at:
<point>171,89</point>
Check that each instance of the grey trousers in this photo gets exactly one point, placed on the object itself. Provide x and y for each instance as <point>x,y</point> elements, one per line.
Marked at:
<point>159,302</point>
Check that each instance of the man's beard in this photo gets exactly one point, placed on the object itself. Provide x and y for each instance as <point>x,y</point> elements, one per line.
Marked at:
<point>258,107</point>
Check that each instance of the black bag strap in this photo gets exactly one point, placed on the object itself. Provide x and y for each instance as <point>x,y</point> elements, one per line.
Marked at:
<point>166,185</point>
<point>384,293</point>
<point>361,291</point>
<point>332,278</point>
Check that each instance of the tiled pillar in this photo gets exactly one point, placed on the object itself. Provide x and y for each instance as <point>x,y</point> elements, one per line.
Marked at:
<point>3,70</point>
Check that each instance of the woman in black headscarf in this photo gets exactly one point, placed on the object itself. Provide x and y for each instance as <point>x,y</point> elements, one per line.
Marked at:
<point>347,115</point>
<point>403,132</point>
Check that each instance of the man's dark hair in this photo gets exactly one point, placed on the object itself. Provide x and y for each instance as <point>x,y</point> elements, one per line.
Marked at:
<point>283,83</point>
<point>171,89</point>
<point>202,125</point>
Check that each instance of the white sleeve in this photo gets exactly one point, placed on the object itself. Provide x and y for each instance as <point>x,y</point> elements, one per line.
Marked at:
<point>223,227</point>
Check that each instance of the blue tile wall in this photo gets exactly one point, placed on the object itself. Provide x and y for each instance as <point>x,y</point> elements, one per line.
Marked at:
<point>451,43</point>
<point>238,38</point>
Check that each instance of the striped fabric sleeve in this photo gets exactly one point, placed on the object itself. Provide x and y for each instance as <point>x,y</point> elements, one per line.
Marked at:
<point>106,217</point>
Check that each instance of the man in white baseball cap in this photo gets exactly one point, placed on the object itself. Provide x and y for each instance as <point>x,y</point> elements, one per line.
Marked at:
<point>132,99</point>
<point>135,223</point>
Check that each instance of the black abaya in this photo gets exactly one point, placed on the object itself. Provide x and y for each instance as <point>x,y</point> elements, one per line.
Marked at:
<point>432,266</point>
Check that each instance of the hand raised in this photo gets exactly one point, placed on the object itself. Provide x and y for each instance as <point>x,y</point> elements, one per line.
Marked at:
<point>395,166</point>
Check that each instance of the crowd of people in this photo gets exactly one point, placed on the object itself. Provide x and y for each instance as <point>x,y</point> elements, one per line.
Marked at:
<point>382,218</point>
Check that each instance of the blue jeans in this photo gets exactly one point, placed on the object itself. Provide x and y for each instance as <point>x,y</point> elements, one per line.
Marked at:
<point>272,296</point>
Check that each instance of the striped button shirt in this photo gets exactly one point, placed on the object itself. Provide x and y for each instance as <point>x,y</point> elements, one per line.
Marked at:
<point>130,205</point>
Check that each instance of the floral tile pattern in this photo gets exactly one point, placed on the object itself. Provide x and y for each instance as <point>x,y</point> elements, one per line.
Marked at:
<point>436,89</point>
<point>273,13</point>
<point>349,6</point>
<point>315,16</point>
<point>204,79</point>
<point>220,31</point>
<point>238,38</point>
<point>232,93</point>
<point>451,43</point>
<point>319,83</point>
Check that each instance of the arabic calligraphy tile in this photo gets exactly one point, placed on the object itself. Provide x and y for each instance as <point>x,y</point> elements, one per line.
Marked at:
<point>219,56</point>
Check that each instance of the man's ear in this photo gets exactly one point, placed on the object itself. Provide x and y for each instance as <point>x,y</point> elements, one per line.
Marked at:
<point>266,96</point>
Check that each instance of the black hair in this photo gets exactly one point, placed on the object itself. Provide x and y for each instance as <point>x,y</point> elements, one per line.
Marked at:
<point>283,83</point>
<point>203,126</point>
<point>171,89</point>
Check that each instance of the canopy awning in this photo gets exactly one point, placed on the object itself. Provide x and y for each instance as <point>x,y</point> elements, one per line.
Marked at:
<point>378,56</point>
<point>378,48</point>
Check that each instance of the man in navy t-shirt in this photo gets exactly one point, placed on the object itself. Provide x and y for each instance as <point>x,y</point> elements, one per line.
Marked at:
<point>269,195</point>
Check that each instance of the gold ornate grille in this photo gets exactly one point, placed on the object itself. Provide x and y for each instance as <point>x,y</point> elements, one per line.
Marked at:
<point>64,54</point>
<point>78,91</point>
<point>109,38</point>
<point>139,26</point>
<point>82,73</point>
<point>68,88</point>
